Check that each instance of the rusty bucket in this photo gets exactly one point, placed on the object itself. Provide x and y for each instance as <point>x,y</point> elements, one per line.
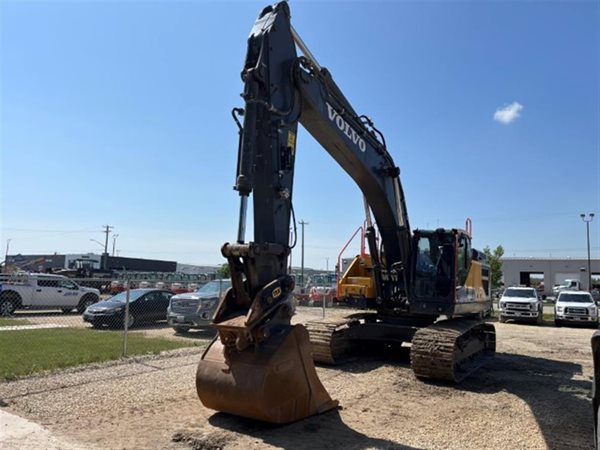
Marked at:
<point>274,382</point>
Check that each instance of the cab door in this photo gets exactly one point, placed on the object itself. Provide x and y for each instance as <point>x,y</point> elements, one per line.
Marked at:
<point>147,306</point>
<point>47,293</point>
<point>465,292</point>
<point>163,305</point>
<point>69,292</point>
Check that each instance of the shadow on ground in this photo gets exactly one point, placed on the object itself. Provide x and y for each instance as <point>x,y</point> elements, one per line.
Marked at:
<point>561,405</point>
<point>325,431</point>
<point>204,333</point>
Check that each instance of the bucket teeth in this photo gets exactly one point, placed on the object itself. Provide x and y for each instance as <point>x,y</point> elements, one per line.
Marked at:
<point>274,382</point>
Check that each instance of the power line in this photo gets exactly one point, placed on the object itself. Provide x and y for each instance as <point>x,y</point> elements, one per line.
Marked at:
<point>31,230</point>
<point>546,250</point>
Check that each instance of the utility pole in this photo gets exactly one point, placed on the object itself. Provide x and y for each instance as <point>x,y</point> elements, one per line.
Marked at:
<point>107,230</point>
<point>587,226</point>
<point>6,255</point>
<point>327,264</point>
<point>302,223</point>
<point>115,236</point>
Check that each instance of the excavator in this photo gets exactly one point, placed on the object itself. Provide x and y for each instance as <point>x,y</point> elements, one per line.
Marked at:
<point>432,288</point>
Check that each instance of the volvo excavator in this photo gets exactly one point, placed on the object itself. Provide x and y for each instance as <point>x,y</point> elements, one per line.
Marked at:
<point>432,288</point>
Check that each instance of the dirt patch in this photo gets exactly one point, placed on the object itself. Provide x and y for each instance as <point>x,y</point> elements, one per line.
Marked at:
<point>535,394</point>
<point>208,441</point>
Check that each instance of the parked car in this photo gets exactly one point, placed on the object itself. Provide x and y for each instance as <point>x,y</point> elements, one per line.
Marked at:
<point>179,288</point>
<point>575,307</point>
<point>116,286</point>
<point>318,293</point>
<point>42,291</point>
<point>196,309</point>
<point>521,303</point>
<point>145,305</point>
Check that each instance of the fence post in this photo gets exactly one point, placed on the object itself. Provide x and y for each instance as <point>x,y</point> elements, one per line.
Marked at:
<point>324,300</point>
<point>126,321</point>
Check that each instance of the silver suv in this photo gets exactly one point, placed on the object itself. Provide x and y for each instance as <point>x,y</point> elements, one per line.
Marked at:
<point>196,309</point>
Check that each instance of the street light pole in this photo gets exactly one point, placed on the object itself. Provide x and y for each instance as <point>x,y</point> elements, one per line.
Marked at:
<point>6,255</point>
<point>587,221</point>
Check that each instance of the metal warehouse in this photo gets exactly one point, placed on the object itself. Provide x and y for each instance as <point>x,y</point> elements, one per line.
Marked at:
<point>549,271</point>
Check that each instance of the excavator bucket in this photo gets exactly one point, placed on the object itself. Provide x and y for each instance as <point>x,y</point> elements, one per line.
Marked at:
<point>275,382</point>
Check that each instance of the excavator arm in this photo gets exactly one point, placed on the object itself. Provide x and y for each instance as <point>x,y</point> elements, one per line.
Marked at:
<point>282,90</point>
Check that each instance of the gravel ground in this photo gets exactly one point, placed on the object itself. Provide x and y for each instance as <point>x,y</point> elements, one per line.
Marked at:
<point>535,394</point>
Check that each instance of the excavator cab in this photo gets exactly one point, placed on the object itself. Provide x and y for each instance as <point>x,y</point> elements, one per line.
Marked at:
<point>449,277</point>
<point>435,255</point>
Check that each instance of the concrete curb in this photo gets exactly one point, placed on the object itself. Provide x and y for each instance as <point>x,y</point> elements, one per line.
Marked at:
<point>17,433</point>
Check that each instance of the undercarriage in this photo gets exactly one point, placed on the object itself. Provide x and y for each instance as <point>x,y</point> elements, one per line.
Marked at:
<point>447,350</point>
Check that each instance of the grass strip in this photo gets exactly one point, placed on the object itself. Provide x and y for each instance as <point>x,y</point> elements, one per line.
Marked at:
<point>9,322</point>
<point>24,352</point>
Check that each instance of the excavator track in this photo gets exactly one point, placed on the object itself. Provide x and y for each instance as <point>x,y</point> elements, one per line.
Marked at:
<point>451,350</point>
<point>329,339</point>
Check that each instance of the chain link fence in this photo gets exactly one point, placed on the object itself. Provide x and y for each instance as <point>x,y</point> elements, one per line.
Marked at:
<point>49,321</point>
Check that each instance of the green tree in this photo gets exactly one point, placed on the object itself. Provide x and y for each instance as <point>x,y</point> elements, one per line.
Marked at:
<point>495,262</point>
<point>223,271</point>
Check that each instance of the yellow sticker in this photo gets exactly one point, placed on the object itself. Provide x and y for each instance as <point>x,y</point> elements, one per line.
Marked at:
<point>292,141</point>
<point>276,292</point>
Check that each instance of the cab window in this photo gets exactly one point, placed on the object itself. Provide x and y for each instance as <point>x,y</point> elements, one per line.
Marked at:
<point>47,282</point>
<point>463,259</point>
<point>66,284</point>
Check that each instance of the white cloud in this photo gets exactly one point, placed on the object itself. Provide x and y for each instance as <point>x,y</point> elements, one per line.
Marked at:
<point>509,113</point>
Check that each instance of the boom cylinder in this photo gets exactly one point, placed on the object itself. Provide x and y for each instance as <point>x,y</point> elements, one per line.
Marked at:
<point>242,219</point>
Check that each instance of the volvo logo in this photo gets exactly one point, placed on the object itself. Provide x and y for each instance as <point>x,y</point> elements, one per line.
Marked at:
<point>345,128</point>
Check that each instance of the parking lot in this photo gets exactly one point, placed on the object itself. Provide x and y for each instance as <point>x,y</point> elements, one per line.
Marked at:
<point>535,394</point>
<point>161,328</point>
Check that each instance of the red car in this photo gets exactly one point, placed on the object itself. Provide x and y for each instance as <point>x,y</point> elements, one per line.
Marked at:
<point>318,293</point>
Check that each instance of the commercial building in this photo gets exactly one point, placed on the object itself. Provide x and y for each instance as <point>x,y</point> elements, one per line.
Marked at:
<point>549,271</point>
<point>46,263</point>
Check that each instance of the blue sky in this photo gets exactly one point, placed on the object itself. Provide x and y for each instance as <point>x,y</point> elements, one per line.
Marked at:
<point>119,113</point>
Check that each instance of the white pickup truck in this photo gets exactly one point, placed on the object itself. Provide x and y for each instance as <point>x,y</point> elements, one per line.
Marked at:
<point>42,291</point>
<point>521,303</point>
<point>575,307</point>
